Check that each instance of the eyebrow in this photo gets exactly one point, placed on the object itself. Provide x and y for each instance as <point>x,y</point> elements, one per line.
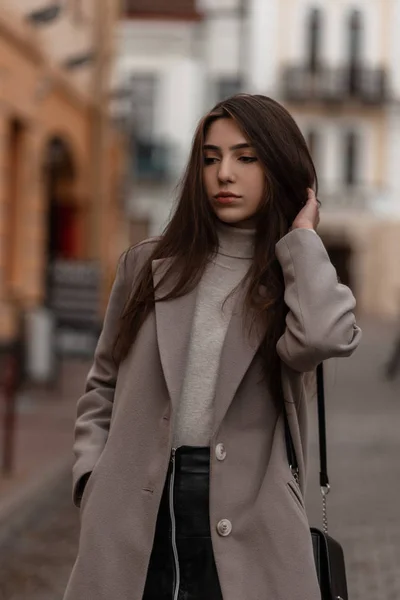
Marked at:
<point>235,147</point>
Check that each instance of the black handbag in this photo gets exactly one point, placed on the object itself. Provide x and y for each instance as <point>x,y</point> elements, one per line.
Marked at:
<point>328,553</point>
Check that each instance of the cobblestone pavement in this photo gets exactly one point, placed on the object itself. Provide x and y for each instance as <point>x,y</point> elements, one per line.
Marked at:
<point>363,415</point>
<point>37,564</point>
<point>364,447</point>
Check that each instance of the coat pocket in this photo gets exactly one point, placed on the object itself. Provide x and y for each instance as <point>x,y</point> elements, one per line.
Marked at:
<point>84,492</point>
<point>87,491</point>
<point>89,483</point>
<point>296,493</point>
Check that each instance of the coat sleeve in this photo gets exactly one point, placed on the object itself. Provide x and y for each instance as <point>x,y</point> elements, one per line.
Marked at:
<point>320,323</point>
<point>95,406</point>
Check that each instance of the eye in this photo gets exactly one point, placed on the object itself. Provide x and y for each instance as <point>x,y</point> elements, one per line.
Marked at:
<point>209,160</point>
<point>248,159</point>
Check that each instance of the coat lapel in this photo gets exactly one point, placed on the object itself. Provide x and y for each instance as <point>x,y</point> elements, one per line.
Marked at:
<point>174,322</point>
<point>238,351</point>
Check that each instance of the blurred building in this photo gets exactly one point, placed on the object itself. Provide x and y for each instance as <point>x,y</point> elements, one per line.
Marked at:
<point>336,67</point>
<point>159,86</point>
<point>333,63</point>
<point>59,158</point>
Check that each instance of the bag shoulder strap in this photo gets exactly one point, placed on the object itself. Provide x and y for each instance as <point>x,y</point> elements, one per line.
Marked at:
<point>323,459</point>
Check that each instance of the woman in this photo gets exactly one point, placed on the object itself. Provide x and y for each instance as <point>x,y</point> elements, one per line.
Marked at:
<point>210,335</point>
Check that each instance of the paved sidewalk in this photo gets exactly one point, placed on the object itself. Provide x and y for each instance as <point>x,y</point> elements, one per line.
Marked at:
<point>36,565</point>
<point>364,448</point>
<point>363,417</point>
<point>43,443</point>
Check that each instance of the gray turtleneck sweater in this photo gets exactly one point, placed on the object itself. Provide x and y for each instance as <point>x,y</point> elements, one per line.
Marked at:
<point>194,415</point>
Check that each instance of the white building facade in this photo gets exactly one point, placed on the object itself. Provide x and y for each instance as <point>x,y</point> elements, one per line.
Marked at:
<point>333,63</point>
<point>160,94</point>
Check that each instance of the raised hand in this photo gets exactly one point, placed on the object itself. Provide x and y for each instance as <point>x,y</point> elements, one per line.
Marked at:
<point>308,217</point>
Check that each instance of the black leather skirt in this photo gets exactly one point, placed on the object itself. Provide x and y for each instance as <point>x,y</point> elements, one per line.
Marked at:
<point>182,565</point>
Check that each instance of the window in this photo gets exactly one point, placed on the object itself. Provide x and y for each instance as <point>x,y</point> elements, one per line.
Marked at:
<point>355,37</point>
<point>228,86</point>
<point>314,39</point>
<point>351,156</point>
<point>313,139</point>
<point>355,43</point>
<point>312,142</point>
<point>143,96</point>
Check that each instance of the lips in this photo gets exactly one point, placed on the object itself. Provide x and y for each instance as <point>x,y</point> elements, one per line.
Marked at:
<point>226,198</point>
<point>226,195</point>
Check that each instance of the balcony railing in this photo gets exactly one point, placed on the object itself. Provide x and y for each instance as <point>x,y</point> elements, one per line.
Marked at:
<point>336,85</point>
<point>167,9</point>
<point>359,197</point>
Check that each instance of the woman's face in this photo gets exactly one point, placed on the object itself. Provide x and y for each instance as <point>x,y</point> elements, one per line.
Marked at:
<point>233,176</point>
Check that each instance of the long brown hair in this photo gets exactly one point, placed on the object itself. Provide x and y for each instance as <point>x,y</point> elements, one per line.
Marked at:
<point>191,235</point>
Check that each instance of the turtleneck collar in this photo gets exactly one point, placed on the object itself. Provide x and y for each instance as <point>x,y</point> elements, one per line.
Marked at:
<point>235,242</point>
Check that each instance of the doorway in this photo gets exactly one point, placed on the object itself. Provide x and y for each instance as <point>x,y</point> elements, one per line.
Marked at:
<point>73,282</point>
<point>64,218</point>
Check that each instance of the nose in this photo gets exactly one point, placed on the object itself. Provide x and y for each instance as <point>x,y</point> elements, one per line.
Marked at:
<point>225,171</point>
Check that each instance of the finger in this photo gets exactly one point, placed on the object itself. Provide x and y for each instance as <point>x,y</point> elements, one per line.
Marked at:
<point>311,211</point>
<point>311,208</point>
<point>311,197</point>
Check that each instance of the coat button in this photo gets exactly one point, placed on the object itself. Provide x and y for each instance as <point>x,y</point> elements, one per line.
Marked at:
<point>220,452</point>
<point>224,527</point>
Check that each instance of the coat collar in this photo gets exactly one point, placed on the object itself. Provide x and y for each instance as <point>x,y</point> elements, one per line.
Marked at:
<point>174,320</point>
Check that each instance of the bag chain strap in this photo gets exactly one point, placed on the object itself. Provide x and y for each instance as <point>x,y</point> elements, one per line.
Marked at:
<point>323,474</point>
<point>325,491</point>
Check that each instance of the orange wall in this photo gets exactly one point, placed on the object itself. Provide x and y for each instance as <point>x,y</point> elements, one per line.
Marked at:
<point>46,105</point>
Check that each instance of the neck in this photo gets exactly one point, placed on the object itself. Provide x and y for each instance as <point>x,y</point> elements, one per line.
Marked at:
<point>235,242</point>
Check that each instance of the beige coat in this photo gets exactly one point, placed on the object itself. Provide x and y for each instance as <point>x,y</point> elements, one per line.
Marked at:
<point>123,436</point>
